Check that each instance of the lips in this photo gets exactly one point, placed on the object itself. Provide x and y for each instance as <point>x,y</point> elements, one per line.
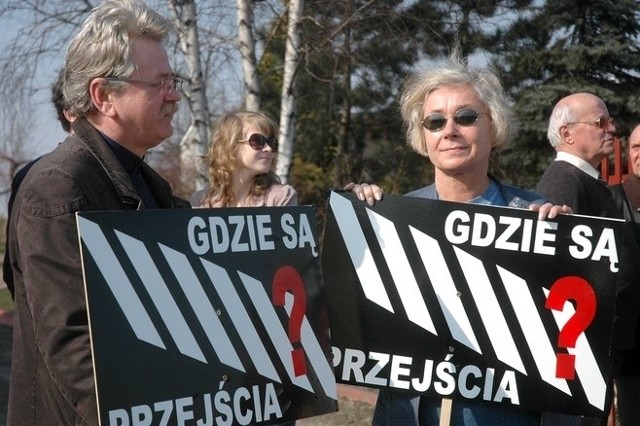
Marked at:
<point>455,148</point>
<point>169,110</point>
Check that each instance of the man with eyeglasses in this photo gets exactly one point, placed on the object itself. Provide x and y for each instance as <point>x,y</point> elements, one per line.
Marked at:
<point>582,132</point>
<point>121,89</point>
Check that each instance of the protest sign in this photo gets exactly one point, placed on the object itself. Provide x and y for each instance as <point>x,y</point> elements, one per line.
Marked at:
<point>207,316</point>
<point>472,302</point>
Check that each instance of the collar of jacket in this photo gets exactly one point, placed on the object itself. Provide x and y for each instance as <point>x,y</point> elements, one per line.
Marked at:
<point>89,136</point>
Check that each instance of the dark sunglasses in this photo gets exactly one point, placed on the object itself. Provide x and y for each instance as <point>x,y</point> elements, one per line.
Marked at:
<point>602,122</point>
<point>258,141</point>
<point>462,117</point>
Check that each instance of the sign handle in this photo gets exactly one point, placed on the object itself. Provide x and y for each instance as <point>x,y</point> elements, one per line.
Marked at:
<point>445,412</point>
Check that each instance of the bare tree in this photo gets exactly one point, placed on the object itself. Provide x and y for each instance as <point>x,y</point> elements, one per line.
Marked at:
<point>31,51</point>
<point>35,35</point>
<point>194,142</point>
<point>288,100</point>
<point>14,131</point>
<point>247,47</point>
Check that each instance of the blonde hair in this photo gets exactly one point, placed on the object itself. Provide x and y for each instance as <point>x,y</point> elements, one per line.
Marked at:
<point>456,72</point>
<point>222,157</point>
<point>102,47</point>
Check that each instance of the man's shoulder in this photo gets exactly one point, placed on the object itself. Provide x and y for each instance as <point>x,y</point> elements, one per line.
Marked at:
<point>69,157</point>
<point>560,174</point>
<point>65,180</point>
<point>562,168</point>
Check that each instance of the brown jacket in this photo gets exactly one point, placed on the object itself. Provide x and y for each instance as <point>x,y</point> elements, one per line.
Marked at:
<point>51,373</point>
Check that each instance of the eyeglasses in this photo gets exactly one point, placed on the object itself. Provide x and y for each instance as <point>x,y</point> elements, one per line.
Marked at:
<point>462,117</point>
<point>167,85</point>
<point>258,141</point>
<point>603,122</point>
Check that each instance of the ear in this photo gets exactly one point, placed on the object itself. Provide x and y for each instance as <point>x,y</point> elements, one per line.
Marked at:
<point>565,135</point>
<point>70,117</point>
<point>102,98</point>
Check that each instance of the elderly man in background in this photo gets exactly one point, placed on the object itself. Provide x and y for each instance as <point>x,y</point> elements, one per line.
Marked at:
<point>627,194</point>
<point>582,132</point>
<point>627,369</point>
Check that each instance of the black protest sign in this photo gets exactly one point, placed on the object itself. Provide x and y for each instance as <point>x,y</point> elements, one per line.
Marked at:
<point>207,316</point>
<point>473,302</point>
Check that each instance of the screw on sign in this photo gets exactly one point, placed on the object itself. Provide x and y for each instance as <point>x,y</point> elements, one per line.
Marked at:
<point>580,291</point>
<point>287,279</point>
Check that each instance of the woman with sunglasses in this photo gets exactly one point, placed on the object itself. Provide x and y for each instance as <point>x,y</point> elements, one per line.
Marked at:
<point>241,161</point>
<point>457,116</point>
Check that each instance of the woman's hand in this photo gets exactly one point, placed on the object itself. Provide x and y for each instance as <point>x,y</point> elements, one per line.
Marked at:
<point>365,192</point>
<point>549,211</point>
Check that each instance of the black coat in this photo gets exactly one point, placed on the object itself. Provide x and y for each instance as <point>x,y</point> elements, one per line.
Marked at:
<point>51,373</point>
<point>627,197</point>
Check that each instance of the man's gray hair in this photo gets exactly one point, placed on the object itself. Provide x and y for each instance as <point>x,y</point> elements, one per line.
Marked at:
<point>102,47</point>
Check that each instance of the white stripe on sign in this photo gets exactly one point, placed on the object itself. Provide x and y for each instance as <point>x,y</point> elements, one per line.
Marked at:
<point>531,324</point>
<point>586,366</point>
<point>359,251</point>
<point>401,272</point>
<point>445,289</point>
<point>490,311</point>
<point>202,307</point>
<point>271,322</point>
<point>316,355</point>
<point>241,320</point>
<point>118,283</point>
<point>162,298</point>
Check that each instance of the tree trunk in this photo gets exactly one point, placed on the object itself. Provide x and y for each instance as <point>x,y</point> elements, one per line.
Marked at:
<point>288,102</point>
<point>247,47</point>
<point>193,145</point>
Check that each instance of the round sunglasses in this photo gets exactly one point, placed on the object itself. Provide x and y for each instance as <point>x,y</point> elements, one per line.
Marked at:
<point>462,117</point>
<point>258,141</point>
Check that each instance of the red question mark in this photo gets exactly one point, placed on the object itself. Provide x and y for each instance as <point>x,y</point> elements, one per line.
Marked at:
<point>579,290</point>
<point>286,279</point>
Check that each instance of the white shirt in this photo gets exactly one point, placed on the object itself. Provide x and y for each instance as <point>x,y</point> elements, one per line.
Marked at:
<point>579,163</point>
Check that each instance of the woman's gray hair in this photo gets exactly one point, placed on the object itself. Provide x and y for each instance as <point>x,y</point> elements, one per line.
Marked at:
<point>102,47</point>
<point>455,72</point>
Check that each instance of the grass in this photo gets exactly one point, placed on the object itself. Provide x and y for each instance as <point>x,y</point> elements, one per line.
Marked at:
<point>5,300</point>
<point>5,296</point>
<point>355,413</point>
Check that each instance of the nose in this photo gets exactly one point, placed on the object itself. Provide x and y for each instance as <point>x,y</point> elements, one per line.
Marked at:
<point>450,127</point>
<point>172,95</point>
